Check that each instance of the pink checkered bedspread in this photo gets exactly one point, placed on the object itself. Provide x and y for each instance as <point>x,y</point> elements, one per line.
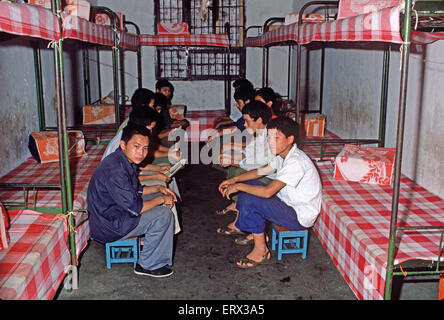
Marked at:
<point>38,255</point>
<point>201,123</point>
<point>353,226</point>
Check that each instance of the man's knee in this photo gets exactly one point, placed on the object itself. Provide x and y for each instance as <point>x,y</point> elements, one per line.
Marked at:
<point>165,214</point>
<point>246,200</point>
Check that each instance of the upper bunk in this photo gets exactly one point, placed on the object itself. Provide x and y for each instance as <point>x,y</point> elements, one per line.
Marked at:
<point>38,22</point>
<point>207,40</point>
<point>380,22</point>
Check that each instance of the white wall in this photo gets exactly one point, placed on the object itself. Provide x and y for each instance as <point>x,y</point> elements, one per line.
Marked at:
<point>257,12</point>
<point>195,94</point>
<point>18,102</point>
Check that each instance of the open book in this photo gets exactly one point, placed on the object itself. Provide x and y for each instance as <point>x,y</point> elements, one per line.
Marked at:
<point>176,167</point>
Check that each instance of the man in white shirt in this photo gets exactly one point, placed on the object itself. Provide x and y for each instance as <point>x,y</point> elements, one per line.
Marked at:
<point>255,154</point>
<point>292,200</point>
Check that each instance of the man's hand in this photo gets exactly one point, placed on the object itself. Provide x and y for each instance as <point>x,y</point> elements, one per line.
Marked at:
<point>168,200</point>
<point>167,192</point>
<point>162,177</point>
<point>156,176</point>
<point>163,169</point>
<point>230,189</point>
<point>224,184</point>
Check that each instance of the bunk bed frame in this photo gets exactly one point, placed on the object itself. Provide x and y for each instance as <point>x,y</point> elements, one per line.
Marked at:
<point>57,33</point>
<point>119,42</point>
<point>204,118</point>
<point>290,39</point>
<point>433,267</point>
<point>425,15</point>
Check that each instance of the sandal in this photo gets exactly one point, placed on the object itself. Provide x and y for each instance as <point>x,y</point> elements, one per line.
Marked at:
<point>224,211</point>
<point>244,262</point>
<point>243,241</point>
<point>225,230</point>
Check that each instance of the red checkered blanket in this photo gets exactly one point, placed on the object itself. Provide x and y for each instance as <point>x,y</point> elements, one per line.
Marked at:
<point>201,123</point>
<point>31,171</point>
<point>38,256</point>
<point>34,21</point>
<point>353,226</point>
<point>381,25</point>
<point>27,20</point>
<point>213,40</point>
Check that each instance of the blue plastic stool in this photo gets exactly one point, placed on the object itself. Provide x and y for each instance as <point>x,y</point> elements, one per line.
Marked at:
<point>288,241</point>
<point>122,251</point>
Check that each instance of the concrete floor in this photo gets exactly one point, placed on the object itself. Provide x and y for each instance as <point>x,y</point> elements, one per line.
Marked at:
<point>204,262</point>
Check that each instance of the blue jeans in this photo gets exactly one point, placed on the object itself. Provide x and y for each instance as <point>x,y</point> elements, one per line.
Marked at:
<point>255,211</point>
<point>157,226</point>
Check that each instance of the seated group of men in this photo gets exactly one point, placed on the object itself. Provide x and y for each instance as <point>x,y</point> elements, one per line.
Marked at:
<point>268,177</point>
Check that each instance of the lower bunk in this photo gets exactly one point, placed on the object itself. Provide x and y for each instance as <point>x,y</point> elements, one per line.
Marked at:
<point>354,223</point>
<point>201,124</point>
<point>38,255</point>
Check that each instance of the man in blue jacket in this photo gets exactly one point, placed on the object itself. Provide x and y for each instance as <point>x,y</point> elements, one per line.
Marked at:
<point>119,207</point>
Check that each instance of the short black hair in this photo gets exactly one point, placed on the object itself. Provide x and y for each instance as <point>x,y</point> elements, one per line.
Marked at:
<point>257,109</point>
<point>242,83</point>
<point>164,83</point>
<point>160,100</point>
<point>143,116</point>
<point>244,94</point>
<point>132,129</point>
<point>141,97</point>
<point>267,94</point>
<point>286,125</point>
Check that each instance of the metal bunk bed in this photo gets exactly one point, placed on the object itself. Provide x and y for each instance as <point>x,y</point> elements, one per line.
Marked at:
<point>56,26</point>
<point>119,42</point>
<point>429,15</point>
<point>201,40</point>
<point>399,260</point>
<point>328,146</point>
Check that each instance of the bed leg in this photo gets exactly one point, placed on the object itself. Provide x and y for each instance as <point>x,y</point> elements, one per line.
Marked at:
<point>72,280</point>
<point>75,278</point>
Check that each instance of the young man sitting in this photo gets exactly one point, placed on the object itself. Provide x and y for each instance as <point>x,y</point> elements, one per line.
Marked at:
<point>269,97</point>
<point>120,208</point>
<point>141,97</point>
<point>147,117</point>
<point>166,124</point>
<point>256,153</point>
<point>292,200</point>
<point>242,82</point>
<point>242,96</point>
<point>166,88</point>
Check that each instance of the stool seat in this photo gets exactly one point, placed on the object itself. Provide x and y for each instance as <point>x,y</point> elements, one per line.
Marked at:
<point>122,251</point>
<point>288,241</point>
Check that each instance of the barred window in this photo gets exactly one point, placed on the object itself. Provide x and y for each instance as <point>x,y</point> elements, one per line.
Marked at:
<point>202,63</point>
